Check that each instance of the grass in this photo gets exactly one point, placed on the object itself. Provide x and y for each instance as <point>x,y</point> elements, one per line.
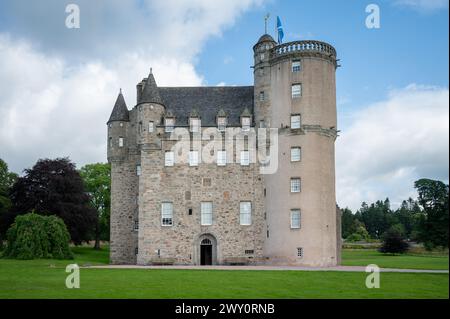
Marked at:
<point>364,257</point>
<point>46,279</point>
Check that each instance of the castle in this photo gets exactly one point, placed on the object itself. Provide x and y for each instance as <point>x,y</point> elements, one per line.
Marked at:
<point>179,198</point>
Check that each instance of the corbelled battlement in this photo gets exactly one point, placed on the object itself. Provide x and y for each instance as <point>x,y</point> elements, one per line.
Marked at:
<point>305,46</point>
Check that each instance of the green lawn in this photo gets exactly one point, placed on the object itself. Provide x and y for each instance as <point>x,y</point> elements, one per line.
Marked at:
<point>363,257</point>
<point>46,279</point>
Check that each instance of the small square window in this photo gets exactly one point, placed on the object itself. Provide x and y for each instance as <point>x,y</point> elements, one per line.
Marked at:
<point>295,121</point>
<point>296,154</point>
<point>245,158</point>
<point>262,124</point>
<point>295,219</point>
<point>300,252</point>
<point>169,158</point>
<point>193,158</point>
<point>295,185</point>
<point>296,91</point>
<point>296,66</point>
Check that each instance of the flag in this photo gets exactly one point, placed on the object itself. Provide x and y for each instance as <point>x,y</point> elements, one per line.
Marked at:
<point>280,31</point>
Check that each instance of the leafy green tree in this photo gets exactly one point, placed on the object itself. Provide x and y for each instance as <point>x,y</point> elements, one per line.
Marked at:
<point>433,226</point>
<point>408,215</point>
<point>53,187</point>
<point>97,182</point>
<point>358,232</point>
<point>7,179</point>
<point>35,236</point>
<point>393,241</point>
<point>376,217</point>
<point>347,220</point>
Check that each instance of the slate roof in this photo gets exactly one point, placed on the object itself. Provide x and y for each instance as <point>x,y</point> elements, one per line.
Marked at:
<point>120,110</point>
<point>150,92</point>
<point>207,102</point>
<point>265,38</point>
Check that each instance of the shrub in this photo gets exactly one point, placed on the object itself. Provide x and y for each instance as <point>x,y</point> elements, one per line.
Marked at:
<point>36,236</point>
<point>393,242</point>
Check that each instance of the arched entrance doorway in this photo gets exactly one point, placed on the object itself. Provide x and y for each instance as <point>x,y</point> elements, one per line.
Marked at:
<point>206,250</point>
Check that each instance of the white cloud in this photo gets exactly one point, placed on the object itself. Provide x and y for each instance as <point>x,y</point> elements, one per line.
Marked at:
<point>391,144</point>
<point>58,87</point>
<point>426,6</point>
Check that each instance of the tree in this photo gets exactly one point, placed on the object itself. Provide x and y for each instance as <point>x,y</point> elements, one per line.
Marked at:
<point>347,222</point>
<point>53,187</point>
<point>377,217</point>
<point>7,179</point>
<point>433,226</point>
<point>408,215</point>
<point>393,241</point>
<point>358,232</point>
<point>35,236</point>
<point>97,182</point>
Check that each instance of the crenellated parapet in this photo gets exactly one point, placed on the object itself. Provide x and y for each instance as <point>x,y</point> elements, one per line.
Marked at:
<point>304,48</point>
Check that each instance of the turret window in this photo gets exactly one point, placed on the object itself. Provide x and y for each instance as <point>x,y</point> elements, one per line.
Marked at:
<point>245,122</point>
<point>221,123</point>
<point>296,66</point>
<point>138,170</point>
<point>194,124</point>
<point>295,121</point>
<point>296,91</point>
<point>121,141</point>
<point>151,126</point>
<point>262,96</point>
<point>169,124</point>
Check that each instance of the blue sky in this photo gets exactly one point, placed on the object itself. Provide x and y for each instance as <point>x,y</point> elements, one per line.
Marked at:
<point>392,88</point>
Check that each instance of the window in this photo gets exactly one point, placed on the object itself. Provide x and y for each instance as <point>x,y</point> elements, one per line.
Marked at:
<point>300,252</point>
<point>138,170</point>
<point>262,124</point>
<point>206,213</point>
<point>193,158</point>
<point>245,158</point>
<point>136,225</point>
<point>140,127</point>
<point>206,182</point>
<point>296,154</point>
<point>151,126</point>
<point>262,56</point>
<point>110,142</point>
<point>246,213</point>
<point>221,123</point>
<point>296,66</point>
<point>120,141</point>
<point>136,250</point>
<point>195,124</point>
<point>221,158</point>
<point>167,214</point>
<point>249,251</point>
<point>261,96</point>
<point>295,218</point>
<point>296,90</point>
<point>190,211</point>
<point>169,158</point>
<point>245,122</point>
<point>169,123</point>
<point>295,185</point>
<point>295,121</point>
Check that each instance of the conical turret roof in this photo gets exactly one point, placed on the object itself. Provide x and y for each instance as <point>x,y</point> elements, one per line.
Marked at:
<point>150,92</point>
<point>120,110</point>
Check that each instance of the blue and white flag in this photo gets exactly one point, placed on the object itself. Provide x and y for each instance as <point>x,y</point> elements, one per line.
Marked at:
<point>280,31</point>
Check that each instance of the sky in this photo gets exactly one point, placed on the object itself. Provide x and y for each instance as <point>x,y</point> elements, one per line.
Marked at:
<point>58,85</point>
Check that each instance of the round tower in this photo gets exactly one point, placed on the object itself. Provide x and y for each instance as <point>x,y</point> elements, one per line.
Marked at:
<point>118,125</point>
<point>300,197</point>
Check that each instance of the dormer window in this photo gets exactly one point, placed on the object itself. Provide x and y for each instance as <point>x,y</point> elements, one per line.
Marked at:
<point>221,123</point>
<point>245,122</point>
<point>169,123</point>
<point>194,124</point>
